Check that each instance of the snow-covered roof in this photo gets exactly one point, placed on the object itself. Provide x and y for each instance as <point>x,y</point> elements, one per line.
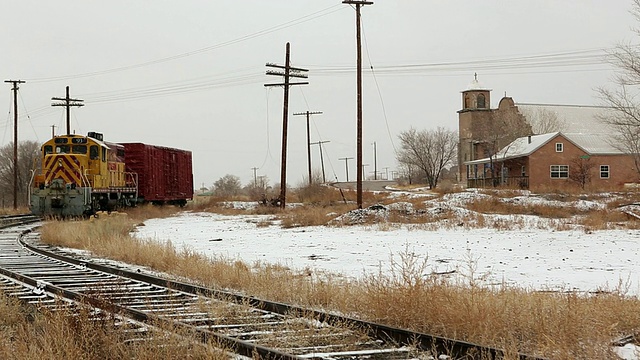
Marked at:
<point>596,144</point>
<point>475,85</point>
<point>591,143</point>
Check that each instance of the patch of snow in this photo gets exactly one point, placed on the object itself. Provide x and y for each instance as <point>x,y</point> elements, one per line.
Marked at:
<point>527,258</point>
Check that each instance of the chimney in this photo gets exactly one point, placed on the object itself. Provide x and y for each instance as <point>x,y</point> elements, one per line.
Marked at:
<point>529,139</point>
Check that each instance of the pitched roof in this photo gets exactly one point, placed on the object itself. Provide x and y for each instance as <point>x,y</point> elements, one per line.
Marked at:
<point>574,118</point>
<point>592,144</point>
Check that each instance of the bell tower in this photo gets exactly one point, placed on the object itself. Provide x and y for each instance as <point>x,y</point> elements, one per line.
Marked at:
<point>475,113</point>
<point>476,96</point>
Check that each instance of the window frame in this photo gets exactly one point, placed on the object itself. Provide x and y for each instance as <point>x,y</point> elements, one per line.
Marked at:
<point>481,101</point>
<point>94,152</point>
<point>559,170</point>
<point>607,171</point>
<point>559,147</point>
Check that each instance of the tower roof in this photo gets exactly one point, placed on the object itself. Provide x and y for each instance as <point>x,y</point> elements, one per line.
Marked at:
<point>475,85</point>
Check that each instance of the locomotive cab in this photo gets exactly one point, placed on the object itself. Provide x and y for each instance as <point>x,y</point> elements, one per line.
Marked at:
<point>80,175</point>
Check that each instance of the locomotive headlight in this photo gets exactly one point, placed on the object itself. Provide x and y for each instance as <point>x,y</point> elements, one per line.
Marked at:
<point>60,163</point>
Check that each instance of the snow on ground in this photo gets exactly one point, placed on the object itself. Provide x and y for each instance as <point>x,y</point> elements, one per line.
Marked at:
<point>536,259</point>
<point>535,256</point>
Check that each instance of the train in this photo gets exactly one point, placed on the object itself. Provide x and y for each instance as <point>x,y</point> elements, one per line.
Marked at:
<point>82,175</point>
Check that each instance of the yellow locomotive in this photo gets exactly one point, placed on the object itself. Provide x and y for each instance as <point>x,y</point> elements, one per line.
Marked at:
<point>81,175</point>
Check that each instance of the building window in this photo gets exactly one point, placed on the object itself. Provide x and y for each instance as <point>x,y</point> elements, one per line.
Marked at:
<point>481,101</point>
<point>559,147</point>
<point>523,171</point>
<point>604,171</point>
<point>559,171</point>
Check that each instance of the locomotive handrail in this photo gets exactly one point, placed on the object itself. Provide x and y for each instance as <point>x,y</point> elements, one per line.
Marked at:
<point>134,178</point>
<point>86,186</point>
<point>33,174</point>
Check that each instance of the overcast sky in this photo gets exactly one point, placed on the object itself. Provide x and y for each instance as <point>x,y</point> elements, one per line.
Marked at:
<point>191,74</point>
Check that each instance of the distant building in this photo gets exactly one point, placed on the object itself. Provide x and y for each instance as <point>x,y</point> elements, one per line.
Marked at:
<point>538,147</point>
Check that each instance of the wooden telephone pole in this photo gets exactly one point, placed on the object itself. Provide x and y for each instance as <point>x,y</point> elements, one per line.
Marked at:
<point>319,143</point>
<point>308,138</point>
<point>288,73</point>
<point>68,103</point>
<point>375,161</point>
<point>15,139</point>
<point>255,176</point>
<point>346,165</point>
<point>359,4</point>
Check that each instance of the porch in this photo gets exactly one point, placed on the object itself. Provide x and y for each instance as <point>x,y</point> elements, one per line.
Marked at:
<point>521,182</point>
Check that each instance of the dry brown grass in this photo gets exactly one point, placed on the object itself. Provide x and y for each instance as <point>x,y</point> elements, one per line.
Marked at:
<point>556,325</point>
<point>27,334</point>
<point>495,205</point>
<point>10,211</point>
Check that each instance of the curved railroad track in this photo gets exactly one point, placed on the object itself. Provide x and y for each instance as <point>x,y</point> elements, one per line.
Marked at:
<point>246,325</point>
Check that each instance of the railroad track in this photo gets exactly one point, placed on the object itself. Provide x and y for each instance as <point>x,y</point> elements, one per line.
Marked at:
<point>245,325</point>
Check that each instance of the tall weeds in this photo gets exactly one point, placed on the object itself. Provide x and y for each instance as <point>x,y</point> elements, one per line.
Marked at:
<point>27,334</point>
<point>557,325</point>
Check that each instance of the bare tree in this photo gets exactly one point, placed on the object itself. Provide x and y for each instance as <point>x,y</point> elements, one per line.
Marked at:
<point>625,110</point>
<point>228,185</point>
<point>580,170</point>
<point>28,162</point>
<point>544,121</point>
<point>496,134</point>
<point>259,188</point>
<point>428,150</point>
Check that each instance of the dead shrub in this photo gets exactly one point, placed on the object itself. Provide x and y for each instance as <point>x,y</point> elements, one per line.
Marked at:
<point>305,216</point>
<point>606,219</point>
<point>317,194</point>
<point>496,205</point>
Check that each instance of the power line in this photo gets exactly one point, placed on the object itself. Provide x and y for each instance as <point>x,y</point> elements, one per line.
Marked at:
<point>315,15</point>
<point>579,58</point>
<point>375,79</point>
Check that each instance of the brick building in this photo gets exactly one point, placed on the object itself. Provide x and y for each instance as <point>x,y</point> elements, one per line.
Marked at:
<point>498,147</point>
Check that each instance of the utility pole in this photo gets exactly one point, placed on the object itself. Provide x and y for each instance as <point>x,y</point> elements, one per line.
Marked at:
<point>358,4</point>
<point>308,138</point>
<point>363,166</point>
<point>15,139</point>
<point>386,171</point>
<point>289,72</point>
<point>68,103</point>
<point>346,165</point>
<point>375,161</point>
<point>255,176</point>
<point>319,143</point>
<point>53,131</point>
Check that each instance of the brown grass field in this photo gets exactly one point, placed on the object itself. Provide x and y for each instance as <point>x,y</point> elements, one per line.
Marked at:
<point>556,325</point>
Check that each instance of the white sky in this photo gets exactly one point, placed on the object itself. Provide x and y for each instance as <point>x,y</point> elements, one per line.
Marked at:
<point>190,74</point>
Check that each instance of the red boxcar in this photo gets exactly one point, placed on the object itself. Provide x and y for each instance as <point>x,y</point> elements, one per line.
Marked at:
<point>164,174</point>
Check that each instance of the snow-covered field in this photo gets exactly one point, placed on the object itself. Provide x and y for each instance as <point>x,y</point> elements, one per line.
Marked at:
<point>532,255</point>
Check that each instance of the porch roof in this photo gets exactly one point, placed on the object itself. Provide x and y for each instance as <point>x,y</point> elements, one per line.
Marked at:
<point>520,147</point>
<point>591,144</point>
